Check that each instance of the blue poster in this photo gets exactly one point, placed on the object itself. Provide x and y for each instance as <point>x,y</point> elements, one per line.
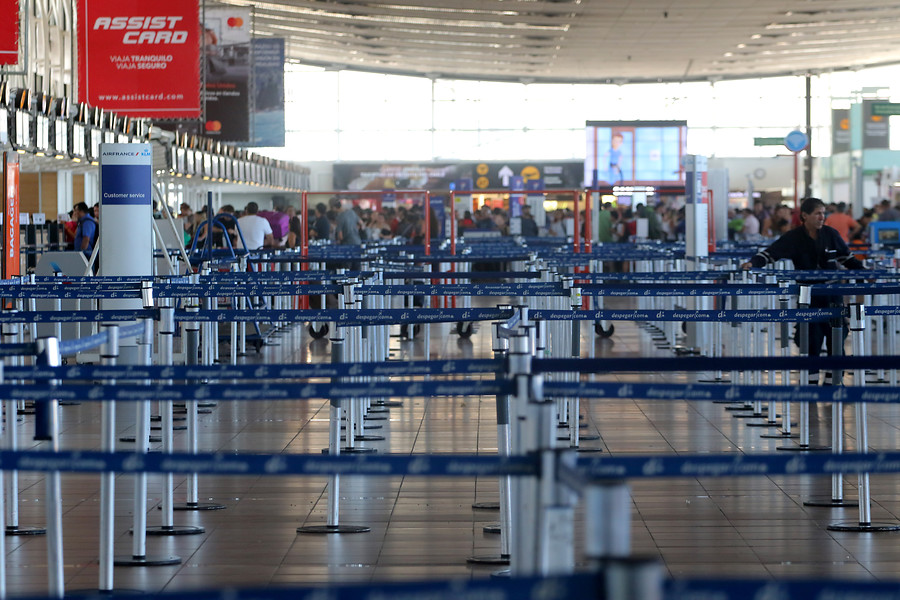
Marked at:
<point>126,174</point>
<point>267,116</point>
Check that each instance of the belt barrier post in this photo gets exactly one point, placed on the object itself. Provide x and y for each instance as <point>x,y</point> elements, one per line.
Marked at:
<point>12,333</point>
<point>633,579</point>
<point>804,300</point>
<point>235,328</point>
<point>47,428</point>
<point>192,357</point>
<point>11,417</point>
<point>784,350</point>
<point>139,555</point>
<point>332,523</point>
<point>500,346</point>
<point>772,420</point>
<point>837,422</point>
<point>527,493</point>
<point>858,342</point>
<point>166,358</point>
<point>109,353</point>
<point>608,511</point>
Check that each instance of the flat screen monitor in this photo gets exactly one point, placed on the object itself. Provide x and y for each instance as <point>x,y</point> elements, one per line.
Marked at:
<point>635,153</point>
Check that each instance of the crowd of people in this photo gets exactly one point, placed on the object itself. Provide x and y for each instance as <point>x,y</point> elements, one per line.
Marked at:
<point>345,222</point>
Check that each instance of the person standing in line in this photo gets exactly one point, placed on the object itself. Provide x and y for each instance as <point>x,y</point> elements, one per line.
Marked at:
<point>842,222</point>
<point>86,230</point>
<point>811,246</point>
<point>256,231</point>
<point>346,231</point>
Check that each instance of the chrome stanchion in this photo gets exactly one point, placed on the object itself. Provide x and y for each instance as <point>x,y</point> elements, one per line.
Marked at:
<point>192,353</point>
<point>46,428</point>
<point>109,353</point>
<point>858,341</point>
<point>803,337</point>
<point>784,350</point>
<point>166,358</point>
<point>504,448</point>
<point>333,524</point>
<point>12,333</point>
<point>139,557</point>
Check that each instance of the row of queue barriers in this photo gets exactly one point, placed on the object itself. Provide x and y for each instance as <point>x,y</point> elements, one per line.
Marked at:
<point>538,384</point>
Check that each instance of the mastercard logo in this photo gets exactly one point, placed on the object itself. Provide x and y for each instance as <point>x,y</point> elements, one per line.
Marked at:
<point>214,125</point>
<point>235,22</point>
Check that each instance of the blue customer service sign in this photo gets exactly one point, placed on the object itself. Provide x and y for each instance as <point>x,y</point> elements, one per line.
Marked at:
<point>126,174</point>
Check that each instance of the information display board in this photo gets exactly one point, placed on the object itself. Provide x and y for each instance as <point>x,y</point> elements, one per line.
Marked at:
<point>635,153</point>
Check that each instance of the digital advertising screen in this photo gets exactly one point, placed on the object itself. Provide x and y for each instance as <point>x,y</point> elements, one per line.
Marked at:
<point>627,153</point>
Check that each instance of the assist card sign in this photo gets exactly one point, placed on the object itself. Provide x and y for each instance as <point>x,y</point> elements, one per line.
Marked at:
<point>140,59</point>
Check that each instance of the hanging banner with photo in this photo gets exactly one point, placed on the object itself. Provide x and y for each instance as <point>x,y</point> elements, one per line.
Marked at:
<point>9,32</point>
<point>267,117</point>
<point>140,59</point>
<point>226,39</point>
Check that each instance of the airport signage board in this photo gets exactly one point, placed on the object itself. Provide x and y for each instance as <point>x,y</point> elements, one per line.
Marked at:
<point>140,59</point>
<point>226,95</point>
<point>9,32</point>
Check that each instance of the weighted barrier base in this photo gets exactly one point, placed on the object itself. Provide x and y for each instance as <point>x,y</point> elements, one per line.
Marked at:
<point>327,529</point>
<point>830,502</point>
<point>781,436</point>
<point>583,450</point>
<point>387,404</point>
<point>368,438</point>
<point>491,528</point>
<point>19,530</point>
<point>198,506</point>
<point>762,415</point>
<point>492,559</point>
<point>154,439</point>
<point>799,448</point>
<point>174,530</point>
<point>146,561</point>
<point>765,423</point>
<point>486,506</point>
<point>850,526</point>
<point>353,450</point>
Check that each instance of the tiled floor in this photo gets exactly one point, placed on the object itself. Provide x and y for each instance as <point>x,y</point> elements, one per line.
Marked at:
<point>426,528</point>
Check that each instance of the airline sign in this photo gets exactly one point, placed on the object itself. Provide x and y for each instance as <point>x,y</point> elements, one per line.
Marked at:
<point>140,59</point>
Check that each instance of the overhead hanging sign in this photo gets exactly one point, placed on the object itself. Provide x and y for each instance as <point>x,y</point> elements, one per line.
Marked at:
<point>226,35</point>
<point>140,59</point>
<point>267,117</point>
<point>9,32</point>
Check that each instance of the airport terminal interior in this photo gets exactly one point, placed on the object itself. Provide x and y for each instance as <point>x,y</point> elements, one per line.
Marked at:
<point>517,370</point>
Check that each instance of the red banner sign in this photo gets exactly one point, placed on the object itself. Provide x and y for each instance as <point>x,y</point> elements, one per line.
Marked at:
<point>139,58</point>
<point>11,260</point>
<point>9,32</point>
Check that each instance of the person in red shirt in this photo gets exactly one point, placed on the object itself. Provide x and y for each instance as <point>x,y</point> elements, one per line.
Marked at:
<point>842,222</point>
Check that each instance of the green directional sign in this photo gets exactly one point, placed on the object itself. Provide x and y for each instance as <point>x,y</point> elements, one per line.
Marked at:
<point>768,141</point>
<point>885,109</point>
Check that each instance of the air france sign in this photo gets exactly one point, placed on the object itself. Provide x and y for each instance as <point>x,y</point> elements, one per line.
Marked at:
<point>126,174</point>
